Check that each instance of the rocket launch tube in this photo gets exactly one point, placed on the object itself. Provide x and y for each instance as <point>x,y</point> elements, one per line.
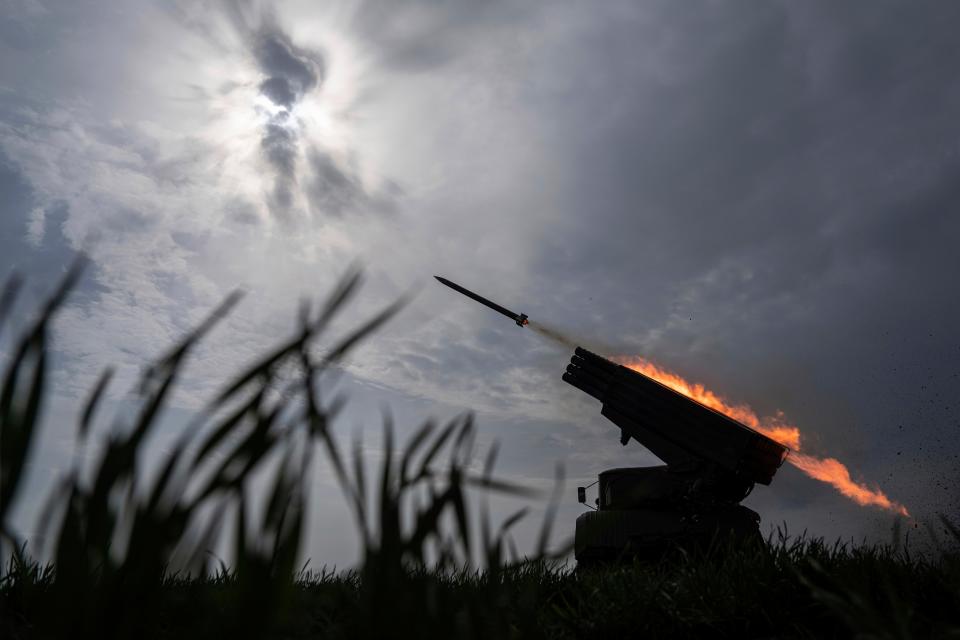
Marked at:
<point>670,424</point>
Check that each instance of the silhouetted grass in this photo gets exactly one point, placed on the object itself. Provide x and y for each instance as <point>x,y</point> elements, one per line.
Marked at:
<point>130,557</point>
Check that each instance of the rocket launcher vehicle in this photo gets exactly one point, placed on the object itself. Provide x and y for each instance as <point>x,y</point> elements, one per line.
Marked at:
<point>712,462</point>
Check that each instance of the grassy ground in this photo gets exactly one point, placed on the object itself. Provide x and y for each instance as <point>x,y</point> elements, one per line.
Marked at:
<point>802,589</point>
<point>130,555</point>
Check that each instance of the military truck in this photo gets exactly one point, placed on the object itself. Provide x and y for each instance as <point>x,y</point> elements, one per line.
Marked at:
<point>712,463</point>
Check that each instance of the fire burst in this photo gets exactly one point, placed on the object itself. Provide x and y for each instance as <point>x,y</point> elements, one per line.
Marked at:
<point>829,470</point>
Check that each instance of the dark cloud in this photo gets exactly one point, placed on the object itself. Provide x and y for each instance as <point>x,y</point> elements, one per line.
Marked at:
<point>242,212</point>
<point>777,201</point>
<point>279,144</point>
<point>192,242</point>
<point>280,147</point>
<point>41,260</point>
<point>278,91</point>
<point>730,155</point>
<point>290,72</point>
<point>329,189</point>
<point>43,257</point>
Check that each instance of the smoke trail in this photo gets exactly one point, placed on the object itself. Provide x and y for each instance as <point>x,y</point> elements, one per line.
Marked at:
<point>567,341</point>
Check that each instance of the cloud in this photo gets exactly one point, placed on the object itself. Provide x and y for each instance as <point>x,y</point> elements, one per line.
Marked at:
<point>290,72</point>
<point>279,144</point>
<point>332,189</point>
<point>279,69</point>
<point>24,10</point>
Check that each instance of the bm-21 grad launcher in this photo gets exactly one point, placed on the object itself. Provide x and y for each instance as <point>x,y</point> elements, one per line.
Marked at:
<point>712,463</point>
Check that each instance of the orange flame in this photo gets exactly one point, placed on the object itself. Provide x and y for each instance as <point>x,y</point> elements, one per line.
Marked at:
<point>829,470</point>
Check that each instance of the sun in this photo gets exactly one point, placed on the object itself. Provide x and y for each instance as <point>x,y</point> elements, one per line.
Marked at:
<point>246,96</point>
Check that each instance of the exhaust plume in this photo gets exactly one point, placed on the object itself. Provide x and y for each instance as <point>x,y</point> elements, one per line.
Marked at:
<point>829,470</point>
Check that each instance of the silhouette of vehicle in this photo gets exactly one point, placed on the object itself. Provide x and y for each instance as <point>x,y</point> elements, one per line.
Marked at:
<point>712,463</point>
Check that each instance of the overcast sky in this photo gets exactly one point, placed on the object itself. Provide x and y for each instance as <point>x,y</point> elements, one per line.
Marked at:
<point>762,197</point>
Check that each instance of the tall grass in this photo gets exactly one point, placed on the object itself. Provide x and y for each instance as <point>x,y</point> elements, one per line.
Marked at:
<point>130,555</point>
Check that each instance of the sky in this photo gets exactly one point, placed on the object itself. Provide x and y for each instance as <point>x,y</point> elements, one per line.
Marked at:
<point>761,197</point>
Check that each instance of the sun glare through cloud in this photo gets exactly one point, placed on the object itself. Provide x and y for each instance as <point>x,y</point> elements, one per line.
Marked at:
<point>280,101</point>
